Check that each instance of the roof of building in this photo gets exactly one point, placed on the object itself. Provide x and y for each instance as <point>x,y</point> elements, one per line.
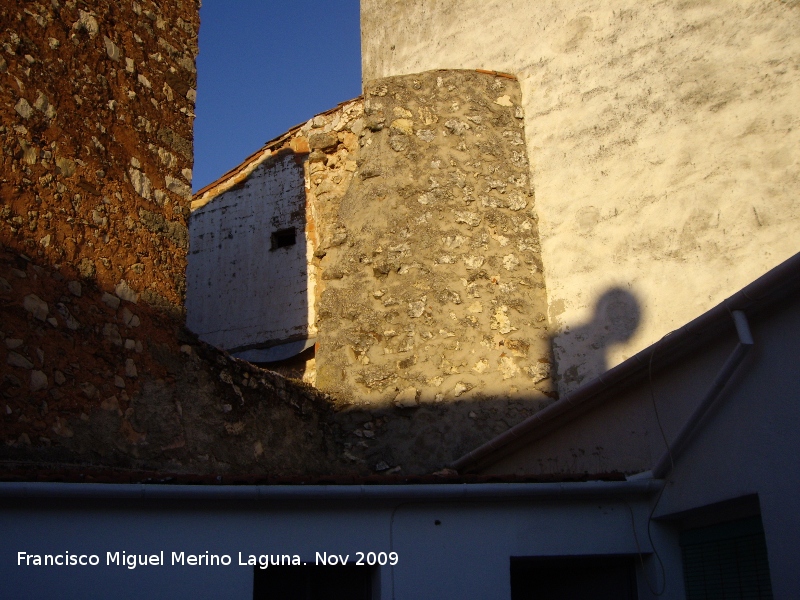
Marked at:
<point>38,472</point>
<point>286,142</point>
<point>281,143</point>
<point>775,286</point>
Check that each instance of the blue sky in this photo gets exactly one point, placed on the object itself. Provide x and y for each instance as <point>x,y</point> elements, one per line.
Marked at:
<point>265,66</point>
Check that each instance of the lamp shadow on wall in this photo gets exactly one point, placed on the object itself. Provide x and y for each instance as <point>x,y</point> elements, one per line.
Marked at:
<point>582,353</point>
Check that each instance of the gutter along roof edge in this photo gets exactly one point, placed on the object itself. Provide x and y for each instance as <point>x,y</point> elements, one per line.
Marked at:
<point>327,493</point>
<point>770,287</point>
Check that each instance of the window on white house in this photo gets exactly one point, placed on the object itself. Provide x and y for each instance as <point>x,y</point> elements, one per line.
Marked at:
<point>313,582</point>
<point>573,578</point>
<point>726,560</point>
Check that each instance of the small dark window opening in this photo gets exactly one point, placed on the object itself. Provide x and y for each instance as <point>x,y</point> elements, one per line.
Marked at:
<point>283,238</point>
<point>573,578</point>
<point>313,582</point>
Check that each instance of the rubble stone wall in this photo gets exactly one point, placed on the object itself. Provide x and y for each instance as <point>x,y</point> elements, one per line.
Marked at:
<point>432,309</point>
<point>91,379</point>
<point>97,110</point>
<point>423,269</point>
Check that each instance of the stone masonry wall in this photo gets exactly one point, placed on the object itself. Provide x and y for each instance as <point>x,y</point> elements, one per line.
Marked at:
<point>423,266</point>
<point>432,310</point>
<point>98,101</point>
<point>89,379</point>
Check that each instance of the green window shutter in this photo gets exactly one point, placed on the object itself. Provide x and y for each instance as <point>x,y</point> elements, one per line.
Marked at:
<point>726,561</point>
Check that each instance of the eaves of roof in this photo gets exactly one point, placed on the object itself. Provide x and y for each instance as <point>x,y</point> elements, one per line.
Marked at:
<point>243,170</point>
<point>775,286</point>
<point>16,472</point>
<point>86,493</point>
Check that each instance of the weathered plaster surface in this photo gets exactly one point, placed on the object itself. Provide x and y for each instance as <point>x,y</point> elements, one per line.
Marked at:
<point>663,145</point>
<point>232,262</point>
<point>295,181</point>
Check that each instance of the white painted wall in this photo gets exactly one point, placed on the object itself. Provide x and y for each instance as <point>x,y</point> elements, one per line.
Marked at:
<point>465,556</point>
<point>750,445</point>
<point>663,140</point>
<point>747,444</point>
<point>239,292</point>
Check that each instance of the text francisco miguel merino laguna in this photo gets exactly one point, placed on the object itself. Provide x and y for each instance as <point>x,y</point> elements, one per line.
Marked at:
<point>131,561</point>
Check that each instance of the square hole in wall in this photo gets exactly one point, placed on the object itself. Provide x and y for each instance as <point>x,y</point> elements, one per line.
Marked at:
<point>283,238</point>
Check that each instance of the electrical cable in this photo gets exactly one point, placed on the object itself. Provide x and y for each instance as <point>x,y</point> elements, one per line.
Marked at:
<point>641,554</point>
<point>661,492</point>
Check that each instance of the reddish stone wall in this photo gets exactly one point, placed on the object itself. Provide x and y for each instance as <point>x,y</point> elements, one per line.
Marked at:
<point>96,110</point>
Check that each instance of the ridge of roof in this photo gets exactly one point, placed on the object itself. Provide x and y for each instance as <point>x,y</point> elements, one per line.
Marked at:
<point>774,286</point>
<point>495,73</point>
